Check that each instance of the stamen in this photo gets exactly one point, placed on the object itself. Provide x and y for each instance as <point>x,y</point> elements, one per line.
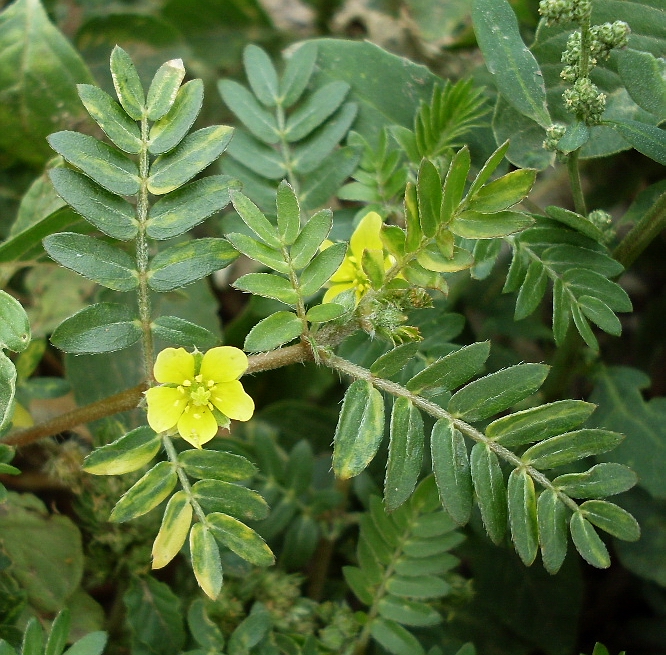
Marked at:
<point>187,383</point>
<point>198,378</point>
<point>210,383</point>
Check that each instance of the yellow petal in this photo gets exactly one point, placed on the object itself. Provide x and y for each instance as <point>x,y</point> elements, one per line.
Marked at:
<point>174,365</point>
<point>197,426</point>
<point>336,290</point>
<point>165,405</point>
<point>366,235</point>
<point>230,398</point>
<point>346,272</point>
<point>223,364</point>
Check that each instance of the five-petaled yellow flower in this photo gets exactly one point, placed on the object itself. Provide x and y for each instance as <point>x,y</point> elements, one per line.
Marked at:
<point>192,387</point>
<point>351,275</point>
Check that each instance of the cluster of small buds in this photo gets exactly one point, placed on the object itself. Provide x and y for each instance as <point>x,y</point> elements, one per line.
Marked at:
<point>553,135</point>
<point>602,220</point>
<point>585,101</point>
<point>564,11</point>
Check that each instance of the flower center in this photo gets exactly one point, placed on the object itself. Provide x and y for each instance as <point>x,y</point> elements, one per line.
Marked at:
<point>199,390</point>
<point>361,280</point>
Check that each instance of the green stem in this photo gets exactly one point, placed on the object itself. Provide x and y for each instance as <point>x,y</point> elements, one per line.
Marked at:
<point>286,149</point>
<point>576,185</point>
<point>182,477</point>
<point>642,234</point>
<point>142,258</point>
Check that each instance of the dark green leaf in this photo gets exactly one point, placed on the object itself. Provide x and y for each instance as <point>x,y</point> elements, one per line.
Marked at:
<point>643,76</point>
<point>514,68</point>
<point>243,541</point>
<point>569,447</point>
<point>475,225</point>
<point>206,564</point>
<point>552,520</point>
<point>423,587</point>
<point>216,465</point>
<point>576,136</point>
<point>170,130</point>
<point>194,153</point>
<point>490,490</point>
<point>394,638</point>
<point>15,325</point>
<point>359,431</point>
<point>320,269</point>
<point>612,519</point>
<point>255,219</point>
<point>502,193</point>
<point>488,168</point>
<point>106,211</point>
<point>104,164</point>
<point>329,311</point>
<point>183,333</point>
<point>269,286</point>
<point>100,328</point>
<point>407,612</point>
<point>261,75</point>
<point>273,331</point>
<point>186,207</point>
<point>288,213</point>
<point>601,314</point>
<point>497,391</point>
<point>576,222</point>
<point>127,83</point>
<point>164,88</point>
<point>539,423</point>
<point>405,453</point>
<point>244,105</point>
<point>450,464</point>
<point>602,480</point>
<point>7,388</point>
<point>259,251</point>
<point>315,110</point>
<point>204,630</point>
<point>532,290</point>
<point>394,360</point>
<point>189,261</point>
<point>109,115</point>
<point>647,139</point>
<point>94,259</point>
<point>359,583</point>
<point>58,634</point>
<point>523,515</point>
<point>129,453</point>
<point>587,542</point>
<point>146,494</point>
<point>429,194</point>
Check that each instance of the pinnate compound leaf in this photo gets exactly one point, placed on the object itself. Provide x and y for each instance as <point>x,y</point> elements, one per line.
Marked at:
<point>109,115</point>
<point>451,371</point>
<point>146,494</point>
<point>570,447</point>
<point>94,259</point>
<point>273,331</point>
<point>514,68</point>
<point>612,519</point>
<point>189,261</point>
<point>269,286</point>
<point>297,73</point>
<point>104,164</point>
<point>106,211</point>
<point>606,479</point>
<point>538,423</point>
<point>194,153</point>
<point>497,391</point>
<point>261,75</point>
<point>405,453</point>
<point>183,333</point>
<point>246,108</point>
<point>164,88</point>
<point>15,325</point>
<point>359,431</point>
<point>171,129</point>
<point>100,328</point>
<point>450,464</point>
<point>216,465</point>
<point>206,562</point>
<point>523,515</point>
<point>394,638</point>
<point>552,521</point>
<point>490,490</point>
<point>588,543</point>
<point>182,209</point>
<point>127,83</point>
<point>173,531</point>
<point>243,541</point>
<point>128,453</point>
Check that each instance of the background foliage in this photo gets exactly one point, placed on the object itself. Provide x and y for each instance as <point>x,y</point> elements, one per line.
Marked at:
<point>438,523</point>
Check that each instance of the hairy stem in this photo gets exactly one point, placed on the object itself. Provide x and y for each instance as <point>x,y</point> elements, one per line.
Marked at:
<point>182,477</point>
<point>576,186</point>
<point>642,234</point>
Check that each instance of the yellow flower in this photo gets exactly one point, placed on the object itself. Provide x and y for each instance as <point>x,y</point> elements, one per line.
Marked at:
<point>351,275</point>
<point>193,387</point>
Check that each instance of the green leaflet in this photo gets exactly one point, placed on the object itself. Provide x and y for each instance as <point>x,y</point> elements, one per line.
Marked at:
<point>454,184</point>
<point>269,286</point>
<point>105,165</point>
<point>319,270</point>
<point>606,479</point>
<point>538,423</point>
<point>273,331</point>
<point>15,325</point>
<point>588,543</point>
<point>488,169</point>
<point>288,213</point>
<point>407,612</point>
<point>576,222</point>
<point>642,75</point>
<point>236,500</point>
<point>182,209</point>
<point>164,88</point>
<point>128,453</point>
<point>194,153</point>
<point>109,115</point>
<point>243,541</point>
<point>261,75</point>
<point>394,638</point>
<point>216,465</point>
<point>523,515</point>
<point>243,104</point>
<point>206,563</point>
<point>329,311</point>
<point>203,628</point>
<point>189,261</point>
<point>359,431</point>
<point>297,73</point>
<point>178,331</point>
<point>315,110</point>
<point>502,193</point>
<point>7,391</point>
<point>531,291</point>
<point>429,195</point>
<point>450,464</point>
<point>127,83</point>
<point>99,328</point>
<point>57,639</point>
<point>552,522</point>
<point>171,129</point>
<point>106,211</point>
<point>394,360</point>
<point>476,225</point>
<point>496,392</point>
<point>254,218</point>
<point>405,453</point>
<point>432,259</point>
<point>94,259</point>
<point>612,519</point>
<point>648,139</point>
<point>490,490</point>
<point>146,494</point>
<point>173,531</point>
